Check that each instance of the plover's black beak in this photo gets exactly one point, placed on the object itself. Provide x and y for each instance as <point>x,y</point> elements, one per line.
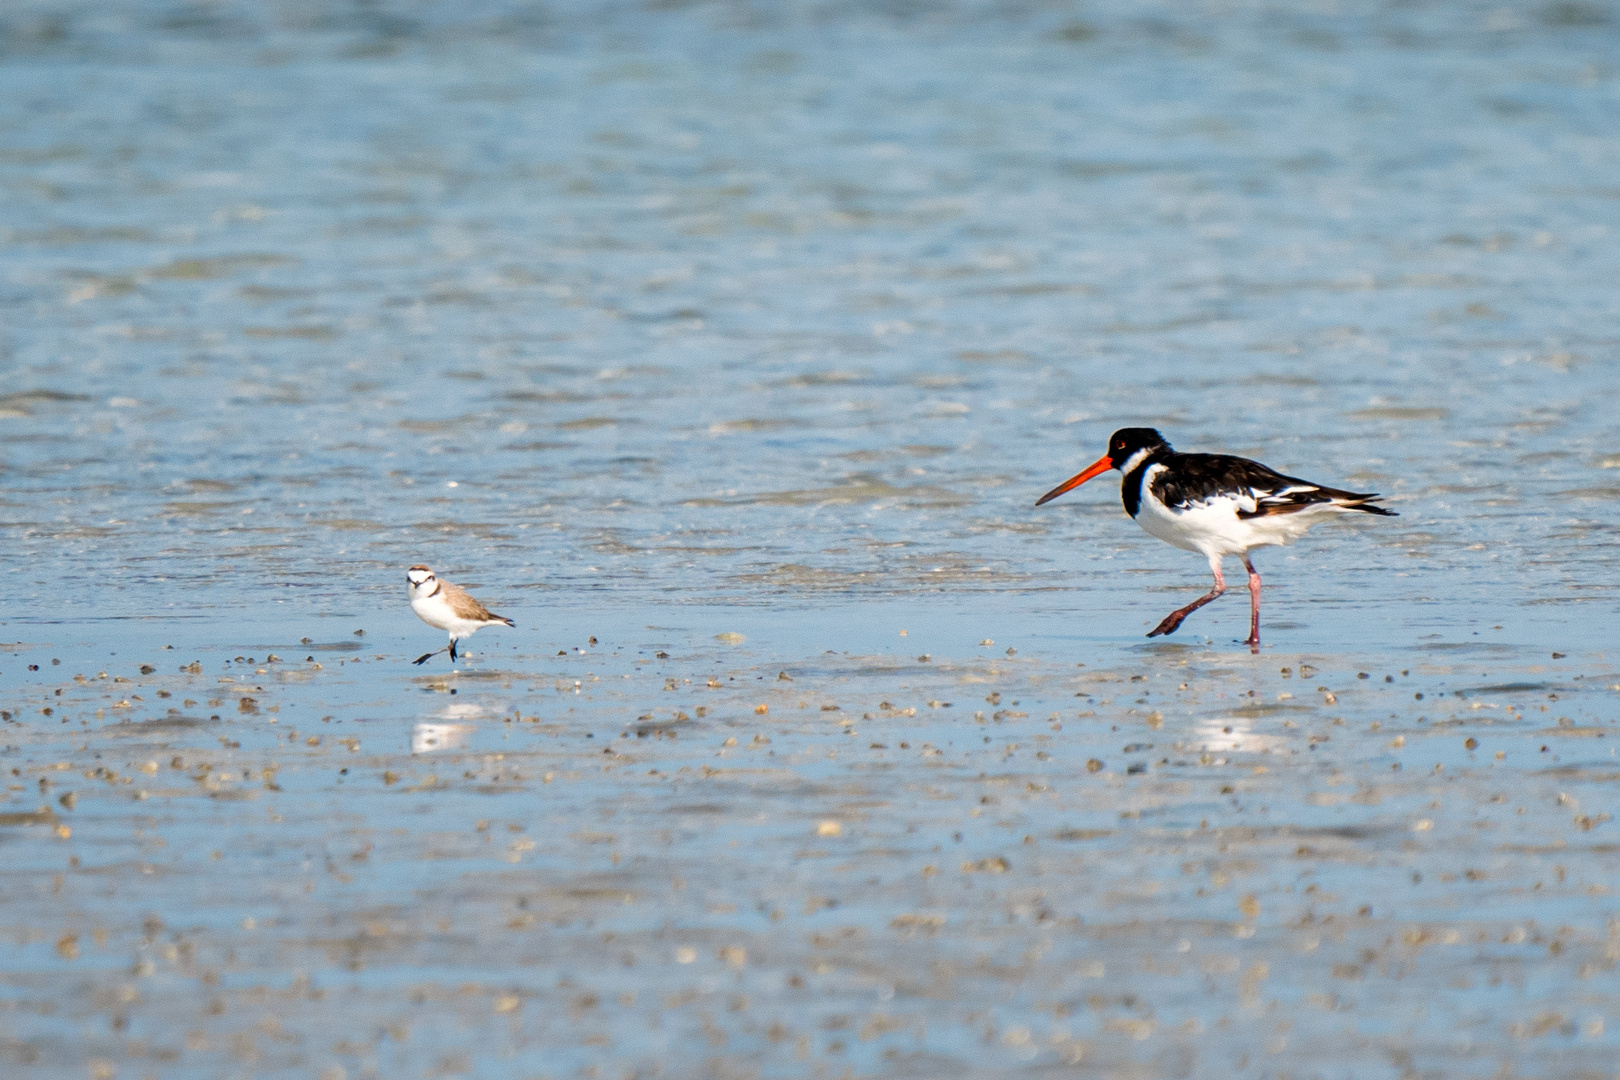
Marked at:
<point>1096,468</point>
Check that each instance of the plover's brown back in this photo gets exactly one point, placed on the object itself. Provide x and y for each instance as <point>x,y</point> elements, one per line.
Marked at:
<point>463,606</point>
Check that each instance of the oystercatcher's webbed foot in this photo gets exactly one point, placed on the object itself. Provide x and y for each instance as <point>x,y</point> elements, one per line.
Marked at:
<point>1172,621</point>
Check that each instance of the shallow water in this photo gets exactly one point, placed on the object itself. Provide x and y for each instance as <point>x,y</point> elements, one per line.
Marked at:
<point>741,339</point>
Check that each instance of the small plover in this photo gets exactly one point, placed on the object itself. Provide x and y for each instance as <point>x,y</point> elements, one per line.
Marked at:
<point>445,607</point>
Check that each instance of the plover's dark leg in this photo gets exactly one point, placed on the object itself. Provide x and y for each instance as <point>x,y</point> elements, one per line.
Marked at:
<point>427,656</point>
<point>1254,606</point>
<point>1173,620</point>
<point>452,648</point>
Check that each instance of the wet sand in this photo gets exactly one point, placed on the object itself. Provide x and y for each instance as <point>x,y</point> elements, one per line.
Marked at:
<point>650,858</point>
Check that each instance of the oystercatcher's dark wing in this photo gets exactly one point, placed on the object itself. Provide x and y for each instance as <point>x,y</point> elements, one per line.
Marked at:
<point>1190,479</point>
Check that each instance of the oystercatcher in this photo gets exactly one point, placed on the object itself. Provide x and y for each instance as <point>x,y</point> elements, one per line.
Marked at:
<point>1215,505</point>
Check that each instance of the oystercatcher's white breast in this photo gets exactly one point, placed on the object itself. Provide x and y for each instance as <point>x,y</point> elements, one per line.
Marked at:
<point>1212,527</point>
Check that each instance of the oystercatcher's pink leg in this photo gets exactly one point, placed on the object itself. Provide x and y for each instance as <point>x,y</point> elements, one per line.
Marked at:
<point>1173,620</point>
<point>1254,606</point>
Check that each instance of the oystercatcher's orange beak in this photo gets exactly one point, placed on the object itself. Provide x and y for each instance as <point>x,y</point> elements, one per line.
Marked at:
<point>1096,468</point>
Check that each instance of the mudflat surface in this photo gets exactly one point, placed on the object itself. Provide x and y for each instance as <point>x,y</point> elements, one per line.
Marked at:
<point>725,348</point>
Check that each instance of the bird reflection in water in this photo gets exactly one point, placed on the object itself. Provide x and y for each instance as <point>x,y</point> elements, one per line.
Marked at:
<point>429,738</point>
<point>1233,734</point>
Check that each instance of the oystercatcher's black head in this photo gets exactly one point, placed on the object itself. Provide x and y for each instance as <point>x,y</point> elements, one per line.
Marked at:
<point>1127,441</point>
<point>1127,446</point>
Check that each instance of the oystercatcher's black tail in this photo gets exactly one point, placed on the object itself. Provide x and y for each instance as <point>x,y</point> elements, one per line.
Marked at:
<point>1346,500</point>
<point>1291,496</point>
